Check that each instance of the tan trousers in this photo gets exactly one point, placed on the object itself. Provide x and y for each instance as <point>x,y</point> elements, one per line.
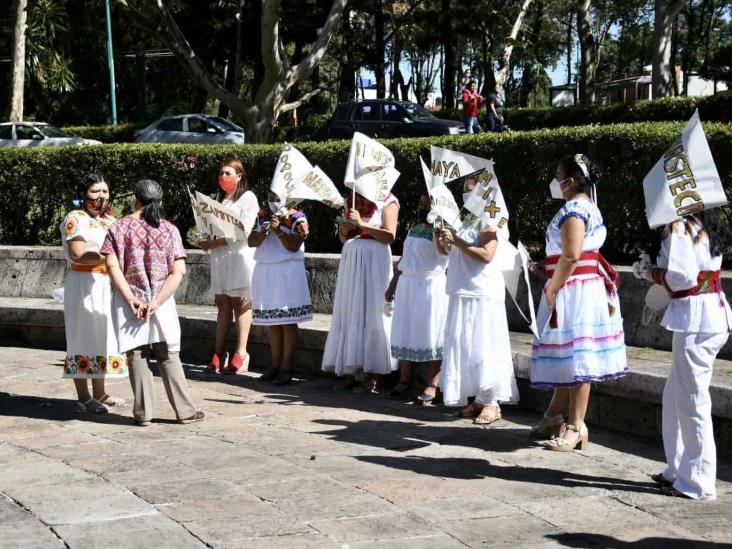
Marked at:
<point>171,370</point>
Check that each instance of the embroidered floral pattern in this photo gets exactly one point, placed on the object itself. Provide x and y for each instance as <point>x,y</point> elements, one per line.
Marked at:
<point>285,315</point>
<point>416,355</point>
<point>82,366</point>
<point>295,222</point>
<point>422,230</point>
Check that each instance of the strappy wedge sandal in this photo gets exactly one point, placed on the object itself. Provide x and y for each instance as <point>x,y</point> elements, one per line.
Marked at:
<point>548,428</point>
<point>91,406</point>
<point>562,444</point>
<point>112,401</point>
<point>425,399</point>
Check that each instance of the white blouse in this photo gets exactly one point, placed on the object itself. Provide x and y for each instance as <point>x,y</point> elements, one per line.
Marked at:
<point>683,260</point>
<point>420,255</point>
<point>587,211</point>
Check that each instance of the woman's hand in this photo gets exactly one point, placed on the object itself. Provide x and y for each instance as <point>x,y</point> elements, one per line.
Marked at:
<point>551,298</point>
<point>137,307</point>
<point>275,223</point>
<point>355,218</point>
<point>151,308</point>
<point>447,237</point>
<point>208,245</point>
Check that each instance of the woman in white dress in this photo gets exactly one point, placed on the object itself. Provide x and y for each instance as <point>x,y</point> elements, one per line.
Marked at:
<point>280,293</point>
<point>358,341</point>
<point>582,338</point>
<point>688,266</point>
<point>420,307</point>
<point>91,342</point>
<point>477,361</point>
<point>232,265</point>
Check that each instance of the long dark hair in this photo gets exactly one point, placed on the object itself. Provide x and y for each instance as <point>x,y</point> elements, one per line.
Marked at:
<point>570,165</point>
<point>150,195</point>
<point>716,230</point>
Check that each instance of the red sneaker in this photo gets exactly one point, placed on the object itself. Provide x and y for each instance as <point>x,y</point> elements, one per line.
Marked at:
<point>216,363</point>
<point>237,365</point>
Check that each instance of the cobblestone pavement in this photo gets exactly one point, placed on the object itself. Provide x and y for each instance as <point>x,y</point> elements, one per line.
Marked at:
<point>307,466</point>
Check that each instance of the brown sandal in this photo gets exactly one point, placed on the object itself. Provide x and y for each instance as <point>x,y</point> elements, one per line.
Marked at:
<point>487,419</point>
<point>471,410</point>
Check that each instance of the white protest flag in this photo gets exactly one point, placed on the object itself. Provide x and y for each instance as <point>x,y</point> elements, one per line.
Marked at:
<point>370,169</point>
<point>486,200</point>
<point>216,219</point>
<point>513,262</point>
<point>316,185</point>
<point>201,228</point>
<point>685,179</point>
<point>291,167</point>
<point>442,200</point>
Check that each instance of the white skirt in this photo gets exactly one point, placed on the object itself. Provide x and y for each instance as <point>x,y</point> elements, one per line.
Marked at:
<point>231,270</point>
<point>133,333</point>
<point>280,293</point>
<point>358,340</point>
<point>91,340</point>
<point>418,325</point>
<point>477,355</point>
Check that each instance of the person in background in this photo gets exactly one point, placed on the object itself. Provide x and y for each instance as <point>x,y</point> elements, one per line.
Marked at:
<point>280,293</point>
<point>146,261</point>
<point>471,106</point>
<point>232,265</point>
<point>494,111</point>
<point>477,360</point>
<point>581,329</point>
<point>91,342</point>
<point>688,267</point>
<point>420,307</point>
<point>358,342</point>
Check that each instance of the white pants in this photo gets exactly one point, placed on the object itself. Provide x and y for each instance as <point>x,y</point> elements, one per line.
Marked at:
<point>688,438</point>
<point>487,398</point>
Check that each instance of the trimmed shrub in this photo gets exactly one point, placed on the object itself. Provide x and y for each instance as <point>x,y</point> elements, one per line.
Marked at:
<point>121,133</point>
<point>36,185</point>
<point>714,108</point>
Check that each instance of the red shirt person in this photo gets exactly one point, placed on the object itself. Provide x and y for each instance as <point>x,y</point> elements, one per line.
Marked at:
<point>471,104</point>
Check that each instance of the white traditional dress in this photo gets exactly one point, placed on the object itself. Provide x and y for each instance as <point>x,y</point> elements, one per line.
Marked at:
<point>582,340</point>
<point>700,319</point>
<point>477,360</point>
<point>280,293</point>
<point>232,265</point>
<point>91,341</point>
<point>358,340</point>
<point>420,301</point>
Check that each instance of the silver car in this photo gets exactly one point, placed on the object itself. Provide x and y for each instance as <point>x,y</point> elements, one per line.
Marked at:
<point>191,128</point>
<point>38,134</point>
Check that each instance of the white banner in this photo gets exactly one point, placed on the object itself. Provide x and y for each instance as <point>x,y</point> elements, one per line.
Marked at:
<point>370,168</point>
<point>486,200</point>
<point>685,180</point>
<point>215,219</point>
<point>316,185</point>
<point>513,261</point>
<point>292,166</point>
<point>443,202</point>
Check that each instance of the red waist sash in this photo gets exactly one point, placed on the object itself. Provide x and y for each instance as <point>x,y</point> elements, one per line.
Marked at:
<point>589,263</point>
<point>708,282</point>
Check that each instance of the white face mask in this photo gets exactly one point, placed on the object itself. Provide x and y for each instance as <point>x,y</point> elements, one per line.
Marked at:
<point>275,207</point>
<point>555,188</point>
<point>466,197</point>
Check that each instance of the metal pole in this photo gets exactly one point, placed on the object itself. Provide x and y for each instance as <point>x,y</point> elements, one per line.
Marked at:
<point>110,62</point>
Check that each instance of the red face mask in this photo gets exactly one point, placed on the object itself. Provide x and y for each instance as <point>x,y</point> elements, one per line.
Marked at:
<point>228,183</point>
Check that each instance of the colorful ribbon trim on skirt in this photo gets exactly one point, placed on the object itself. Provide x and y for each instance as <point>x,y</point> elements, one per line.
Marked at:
<point>84,268</point>
<point>708,282</point>
<point>589,263</point>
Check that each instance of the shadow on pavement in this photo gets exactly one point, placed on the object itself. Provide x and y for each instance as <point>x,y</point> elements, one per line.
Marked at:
<point>53,409</point>
<point>609,542</point>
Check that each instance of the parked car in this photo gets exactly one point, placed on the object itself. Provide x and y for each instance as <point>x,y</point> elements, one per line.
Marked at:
<point>191,128</point>
<point>38,134</point>
<point>388,118</point>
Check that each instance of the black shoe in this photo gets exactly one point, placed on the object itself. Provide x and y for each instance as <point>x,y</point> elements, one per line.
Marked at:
<point>658,478</point>
<point>269,374</point>
<point>283,378</point>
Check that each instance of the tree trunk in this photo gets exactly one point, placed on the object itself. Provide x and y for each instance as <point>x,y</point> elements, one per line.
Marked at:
<point>380,47</point>
<point>527,77</point>
<point>18,79</point>
<point>506,57</point>
<point>570,47</point>
<point>347,72</point>
<point>661,79</point>
<point>588,55</point>
<point>448,70</point>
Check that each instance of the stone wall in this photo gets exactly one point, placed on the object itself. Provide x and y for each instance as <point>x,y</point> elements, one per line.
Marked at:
<point>36,271</point>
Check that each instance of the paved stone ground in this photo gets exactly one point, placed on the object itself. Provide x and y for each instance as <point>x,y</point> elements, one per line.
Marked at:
<point>308,466</point>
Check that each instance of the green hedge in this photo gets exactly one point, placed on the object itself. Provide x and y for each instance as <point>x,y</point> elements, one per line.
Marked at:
<point>36,185</point>
<point>715,108</point>
<point>121,133</point>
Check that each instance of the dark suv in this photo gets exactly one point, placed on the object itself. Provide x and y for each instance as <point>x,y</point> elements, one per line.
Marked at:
<point>388,118</point>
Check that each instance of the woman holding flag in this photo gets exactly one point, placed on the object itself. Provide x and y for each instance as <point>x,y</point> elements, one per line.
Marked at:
<point>477,360</point>
<point>581,338</point>
<point>232,265</point>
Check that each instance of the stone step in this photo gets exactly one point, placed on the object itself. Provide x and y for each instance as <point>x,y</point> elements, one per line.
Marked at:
<point>630,404</point>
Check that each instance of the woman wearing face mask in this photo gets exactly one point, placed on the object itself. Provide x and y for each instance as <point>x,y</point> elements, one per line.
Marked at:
<point>688,267</point>
<point>91,342</point>
<point>477,361</point>
<point>232,265</point>
<point>582,336</point>
<point>358,341</point>
<point>280,294</point>
<point>420,305</point>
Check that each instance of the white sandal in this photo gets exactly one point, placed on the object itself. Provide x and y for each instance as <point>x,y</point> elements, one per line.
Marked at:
<point>112,401</point>
<point>92,406</point>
